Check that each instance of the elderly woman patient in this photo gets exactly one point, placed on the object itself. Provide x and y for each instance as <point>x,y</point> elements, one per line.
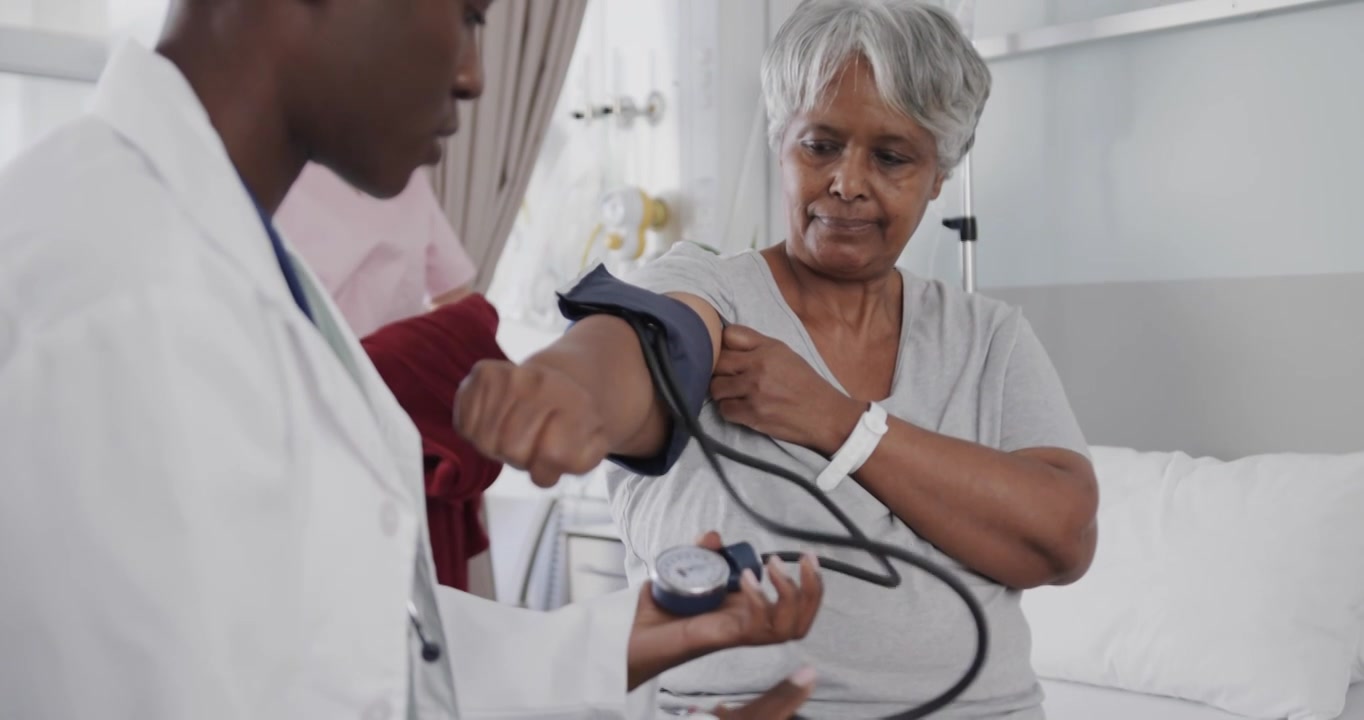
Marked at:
<point>983,467</point>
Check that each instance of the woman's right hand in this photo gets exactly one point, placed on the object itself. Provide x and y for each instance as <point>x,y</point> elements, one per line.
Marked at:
<point>533,418</point>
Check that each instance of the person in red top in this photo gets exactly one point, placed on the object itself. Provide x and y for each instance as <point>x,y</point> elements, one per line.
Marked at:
<point>423,360</point>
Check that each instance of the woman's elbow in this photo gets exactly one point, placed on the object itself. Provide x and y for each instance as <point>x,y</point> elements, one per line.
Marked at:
<point>1077,533</point>
<point>1060,560</point>
<point>1073,561</point>
<point>1064,533</point>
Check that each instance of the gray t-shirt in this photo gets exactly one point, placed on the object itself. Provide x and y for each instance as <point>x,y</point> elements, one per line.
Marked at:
<point>969,367</point>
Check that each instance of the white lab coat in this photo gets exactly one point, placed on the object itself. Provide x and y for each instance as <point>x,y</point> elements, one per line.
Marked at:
<point>203,515</point>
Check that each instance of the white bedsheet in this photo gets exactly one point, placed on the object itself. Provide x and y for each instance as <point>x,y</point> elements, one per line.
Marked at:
<point>1073,701</point>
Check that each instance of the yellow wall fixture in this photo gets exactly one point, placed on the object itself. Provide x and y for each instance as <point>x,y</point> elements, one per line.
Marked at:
<point>627,213</point>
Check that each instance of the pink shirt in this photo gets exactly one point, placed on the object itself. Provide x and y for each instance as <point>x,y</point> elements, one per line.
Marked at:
<point>381,260</point>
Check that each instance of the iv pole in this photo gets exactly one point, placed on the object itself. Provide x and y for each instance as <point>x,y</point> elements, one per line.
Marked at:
<point>967,228</point>
<point>965,225</point>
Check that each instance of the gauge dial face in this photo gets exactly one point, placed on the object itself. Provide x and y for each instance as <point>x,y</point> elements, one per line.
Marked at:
<point>691,570</point>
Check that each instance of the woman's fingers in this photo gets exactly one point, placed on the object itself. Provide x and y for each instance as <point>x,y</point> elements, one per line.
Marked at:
<point>728,387</point>
<point>731,362</point>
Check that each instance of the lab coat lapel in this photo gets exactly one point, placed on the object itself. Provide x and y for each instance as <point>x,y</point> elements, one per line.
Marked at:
<point>146,99</point>
<point>399,434</point>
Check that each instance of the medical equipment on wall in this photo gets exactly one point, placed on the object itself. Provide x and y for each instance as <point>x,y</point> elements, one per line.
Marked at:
<point>626,215</point>
<point>626,111</point>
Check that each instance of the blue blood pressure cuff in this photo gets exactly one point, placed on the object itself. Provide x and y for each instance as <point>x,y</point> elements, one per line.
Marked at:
<point>689,347</point>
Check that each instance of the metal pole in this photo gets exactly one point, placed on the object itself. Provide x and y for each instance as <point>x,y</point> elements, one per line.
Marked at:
<point>968,242</point>
<point>967,228</point>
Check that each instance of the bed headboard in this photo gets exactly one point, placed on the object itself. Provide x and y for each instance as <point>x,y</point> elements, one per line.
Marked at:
<point>1226,367</point>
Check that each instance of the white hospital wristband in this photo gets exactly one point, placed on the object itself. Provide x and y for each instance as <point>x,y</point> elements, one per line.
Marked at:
<point>866,435</point>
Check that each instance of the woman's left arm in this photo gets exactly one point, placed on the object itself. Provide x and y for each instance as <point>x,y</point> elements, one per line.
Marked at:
<point>1023,518</point>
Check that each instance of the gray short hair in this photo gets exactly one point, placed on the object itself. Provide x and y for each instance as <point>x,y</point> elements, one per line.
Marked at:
<point>924,65</point>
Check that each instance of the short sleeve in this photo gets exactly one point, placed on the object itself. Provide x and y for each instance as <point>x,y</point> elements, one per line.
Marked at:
<point>1035,411</point>
<point>448,265</point>
<point>689,268</point>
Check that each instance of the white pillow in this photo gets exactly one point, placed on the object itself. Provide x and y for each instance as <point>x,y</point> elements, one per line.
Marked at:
<point>1237,584</point>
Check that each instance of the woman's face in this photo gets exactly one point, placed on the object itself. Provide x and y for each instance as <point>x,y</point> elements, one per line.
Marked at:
<point>856,176</point>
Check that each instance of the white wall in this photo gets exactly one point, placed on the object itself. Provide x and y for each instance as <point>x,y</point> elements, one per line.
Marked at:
<point>998,17</point>
<point>743,132</point>
<point>1216,152</point>
<point>1176,215</point>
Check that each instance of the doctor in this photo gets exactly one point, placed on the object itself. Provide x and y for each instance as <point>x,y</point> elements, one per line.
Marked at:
<point>212,506</point>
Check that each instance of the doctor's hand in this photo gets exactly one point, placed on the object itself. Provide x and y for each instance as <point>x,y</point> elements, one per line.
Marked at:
<point>533,418</point>
<point>779,703</point>
<point>660,641</point>
<point>764,385</point>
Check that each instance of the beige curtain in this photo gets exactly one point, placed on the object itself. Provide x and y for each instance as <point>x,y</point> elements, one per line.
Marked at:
<point>527,46</point>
